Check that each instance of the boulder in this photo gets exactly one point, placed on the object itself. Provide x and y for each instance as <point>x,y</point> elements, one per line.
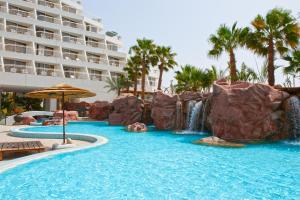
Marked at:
<point>100,110</point>
<point>137,127</point>
<point>69,115</point>
<point>127,109</point>
<point>164,111</point>
<point>190,96</point>
<point>26,120</point>
<point>246,112</point>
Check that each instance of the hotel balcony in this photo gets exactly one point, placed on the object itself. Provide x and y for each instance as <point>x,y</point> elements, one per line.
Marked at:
<point>117,63</point>
<point>72,24</point>
<point>19,29</point>
<point>24,49</point>
<point>47,52</point>
<point>3,8</point>
<point>96,59</point>
<point>41,33</point>
<point>75,73</point>
<point>19,68</point>
<point>91,28</point>
<point>112,47</point>
<point>95,43</point>
<point>97,75</point>
<point>71,55</point>
<point>47,70</point>
<point>20,12</point>
<point>70,9</point>
<point>48,18</point>
<point>73,39</point>
<point>49,4</point>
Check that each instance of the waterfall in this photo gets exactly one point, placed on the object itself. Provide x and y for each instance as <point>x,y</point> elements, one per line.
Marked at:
<point>190,106</point>
<point>178,115</point>
<point>203,117</point>
<point>293,117</point>
<point>194,123</point>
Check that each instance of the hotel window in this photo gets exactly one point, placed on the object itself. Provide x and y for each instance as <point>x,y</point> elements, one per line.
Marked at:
<point>152,81</point>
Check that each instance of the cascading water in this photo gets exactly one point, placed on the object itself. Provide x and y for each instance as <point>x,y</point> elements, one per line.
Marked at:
<point>293,117</point>
<point>190,106</point>
<point>194,123</point>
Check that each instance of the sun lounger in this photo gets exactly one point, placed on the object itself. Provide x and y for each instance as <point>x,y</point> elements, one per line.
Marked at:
<point>11,147</point>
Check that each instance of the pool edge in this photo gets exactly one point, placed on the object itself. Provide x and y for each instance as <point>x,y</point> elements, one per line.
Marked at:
<point>18,132</point>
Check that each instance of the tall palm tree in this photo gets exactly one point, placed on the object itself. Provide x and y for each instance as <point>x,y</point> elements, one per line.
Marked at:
<point>133,70</point>
<point>227,40</point>
<point>276,32</point>
<point>145,50</point>
<point>166,61</point>
<point>293,68</point>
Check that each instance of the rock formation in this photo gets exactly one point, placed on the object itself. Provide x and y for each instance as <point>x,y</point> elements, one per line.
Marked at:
<point>164,111</point>
<point>100,110</point>
<point>246,112</point>
<point>127,109</point>
<point>137,127</point>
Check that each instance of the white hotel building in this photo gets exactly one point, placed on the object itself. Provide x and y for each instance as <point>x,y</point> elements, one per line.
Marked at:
<point>46,42</point>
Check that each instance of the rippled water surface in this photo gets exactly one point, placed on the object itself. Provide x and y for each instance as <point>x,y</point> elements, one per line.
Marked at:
<point>156,165</point>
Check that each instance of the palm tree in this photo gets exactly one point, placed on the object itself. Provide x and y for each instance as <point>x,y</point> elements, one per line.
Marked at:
<point>246,74</point>
<point>166,61</point>
<point>117,84</point>
<point>277,32</point>
<point>218,74</point>
<point>293,68</point>
<point>145,50</point>
<point>133,70</point>
<point>227,40</point>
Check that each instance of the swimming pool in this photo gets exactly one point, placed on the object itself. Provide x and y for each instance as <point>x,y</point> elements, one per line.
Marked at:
<point>156,165</point>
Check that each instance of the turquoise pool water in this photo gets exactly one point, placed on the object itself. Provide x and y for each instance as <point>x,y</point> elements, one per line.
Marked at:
<point>157,165</point>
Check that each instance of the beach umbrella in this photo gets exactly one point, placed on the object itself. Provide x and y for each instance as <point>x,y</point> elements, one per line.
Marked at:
<point>61,91</point>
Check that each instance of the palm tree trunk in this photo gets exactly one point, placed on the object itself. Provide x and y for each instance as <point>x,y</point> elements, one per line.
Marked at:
<point>143,81</point>
<point>135,86</point>
<point>161,70</point>
<point>271,68</point>
<point>233,76</point>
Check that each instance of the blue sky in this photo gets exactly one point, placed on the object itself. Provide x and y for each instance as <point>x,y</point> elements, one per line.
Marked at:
<point>184,24</point>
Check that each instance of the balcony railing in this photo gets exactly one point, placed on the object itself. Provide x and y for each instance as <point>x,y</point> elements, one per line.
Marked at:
<point>2,8</point>
<point>29,1</point>
<point>19,30</point>
<point>116,63</point>
<point>97,77</point>
<point>70,9</point>
<point>19,48</point>
<point>48,19</point>
<point>97,60</point>
<point>75,74</point>
<point>47,53</point>
<point>1,26</point>
<point>73,40</point>
<point>47,35</point>
<point>112,47</point>
<point>91,28</point>
<point>73,56</point>
<point>48,4</point>
<point>21,69</point>
<point>73,24</point>
<point>21,13</point>
<point>95,44</point>
<point>48,72</point>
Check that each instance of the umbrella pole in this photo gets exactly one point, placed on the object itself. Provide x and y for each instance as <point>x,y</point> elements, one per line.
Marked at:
<point>64,128</point>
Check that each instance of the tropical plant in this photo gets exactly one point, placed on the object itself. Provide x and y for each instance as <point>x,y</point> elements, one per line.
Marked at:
<point>276,32</point>
<point>293,69</point>
<point>246,74</point>
<point>219,74</point>
<point>190,78</point>
<point>133,70</point>
<point>117,84</point>
<point>7,103</point>
<point>227,40</point>
<point>145,50</point>
<point>166,61</point>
